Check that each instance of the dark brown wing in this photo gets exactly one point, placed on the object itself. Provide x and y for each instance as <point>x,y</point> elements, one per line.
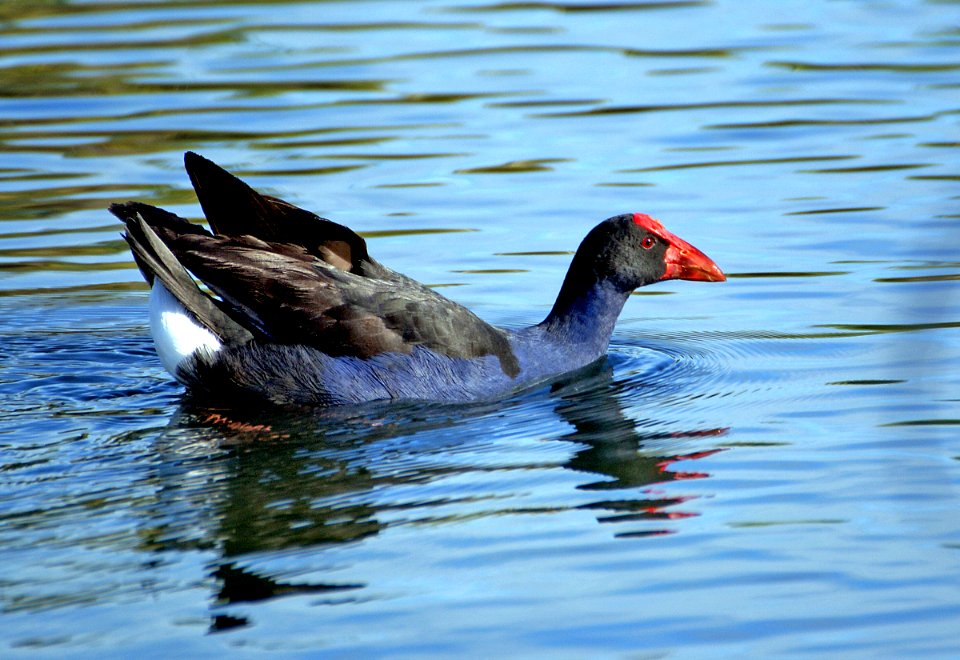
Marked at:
<point>288,276</point>
<point>290,296</point>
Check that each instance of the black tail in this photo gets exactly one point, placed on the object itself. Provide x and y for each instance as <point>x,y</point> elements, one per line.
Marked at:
<point>157,262</point>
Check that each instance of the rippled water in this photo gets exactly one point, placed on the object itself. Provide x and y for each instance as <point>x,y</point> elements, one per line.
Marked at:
<point>763,467</point>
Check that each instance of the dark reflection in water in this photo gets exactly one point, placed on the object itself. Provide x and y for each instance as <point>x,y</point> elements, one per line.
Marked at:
<point>305,479</point>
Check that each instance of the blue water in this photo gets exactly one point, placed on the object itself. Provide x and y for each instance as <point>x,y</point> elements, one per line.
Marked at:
<point>764,467</point>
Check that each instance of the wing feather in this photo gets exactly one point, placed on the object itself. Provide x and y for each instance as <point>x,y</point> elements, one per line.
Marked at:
<point>286,275</point>
<point>294,297</point>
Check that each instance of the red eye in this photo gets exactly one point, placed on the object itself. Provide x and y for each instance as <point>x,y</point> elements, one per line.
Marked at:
<point>647,242</point>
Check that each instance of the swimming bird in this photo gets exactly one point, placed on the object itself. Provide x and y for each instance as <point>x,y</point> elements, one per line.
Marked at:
<point>302,314</point>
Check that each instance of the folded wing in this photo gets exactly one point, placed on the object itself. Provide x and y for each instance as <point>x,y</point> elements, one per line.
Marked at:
<point>285,275</point>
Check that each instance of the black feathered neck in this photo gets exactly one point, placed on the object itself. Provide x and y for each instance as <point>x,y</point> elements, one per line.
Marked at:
<point>610,263</point>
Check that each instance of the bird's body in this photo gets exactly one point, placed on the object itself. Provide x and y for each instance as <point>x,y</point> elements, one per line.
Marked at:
<point>304,315</point>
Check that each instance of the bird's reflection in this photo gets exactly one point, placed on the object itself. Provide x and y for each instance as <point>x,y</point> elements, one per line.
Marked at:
<point>613,442</point>
<point>266,481</point>
<point>615,451</point>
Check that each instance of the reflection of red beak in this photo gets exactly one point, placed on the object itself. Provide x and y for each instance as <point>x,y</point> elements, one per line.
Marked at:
<point>685,262</point>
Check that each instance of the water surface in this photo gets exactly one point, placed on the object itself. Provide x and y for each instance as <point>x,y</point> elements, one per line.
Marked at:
<point>767,466</point>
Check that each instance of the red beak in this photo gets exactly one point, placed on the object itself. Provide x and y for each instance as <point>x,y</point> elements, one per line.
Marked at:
<point>685,262</point>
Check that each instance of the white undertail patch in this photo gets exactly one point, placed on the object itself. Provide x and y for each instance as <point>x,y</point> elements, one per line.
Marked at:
<point>176,334</point>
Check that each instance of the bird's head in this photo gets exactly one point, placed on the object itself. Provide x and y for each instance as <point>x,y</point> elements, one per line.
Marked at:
<point>633,250</point>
